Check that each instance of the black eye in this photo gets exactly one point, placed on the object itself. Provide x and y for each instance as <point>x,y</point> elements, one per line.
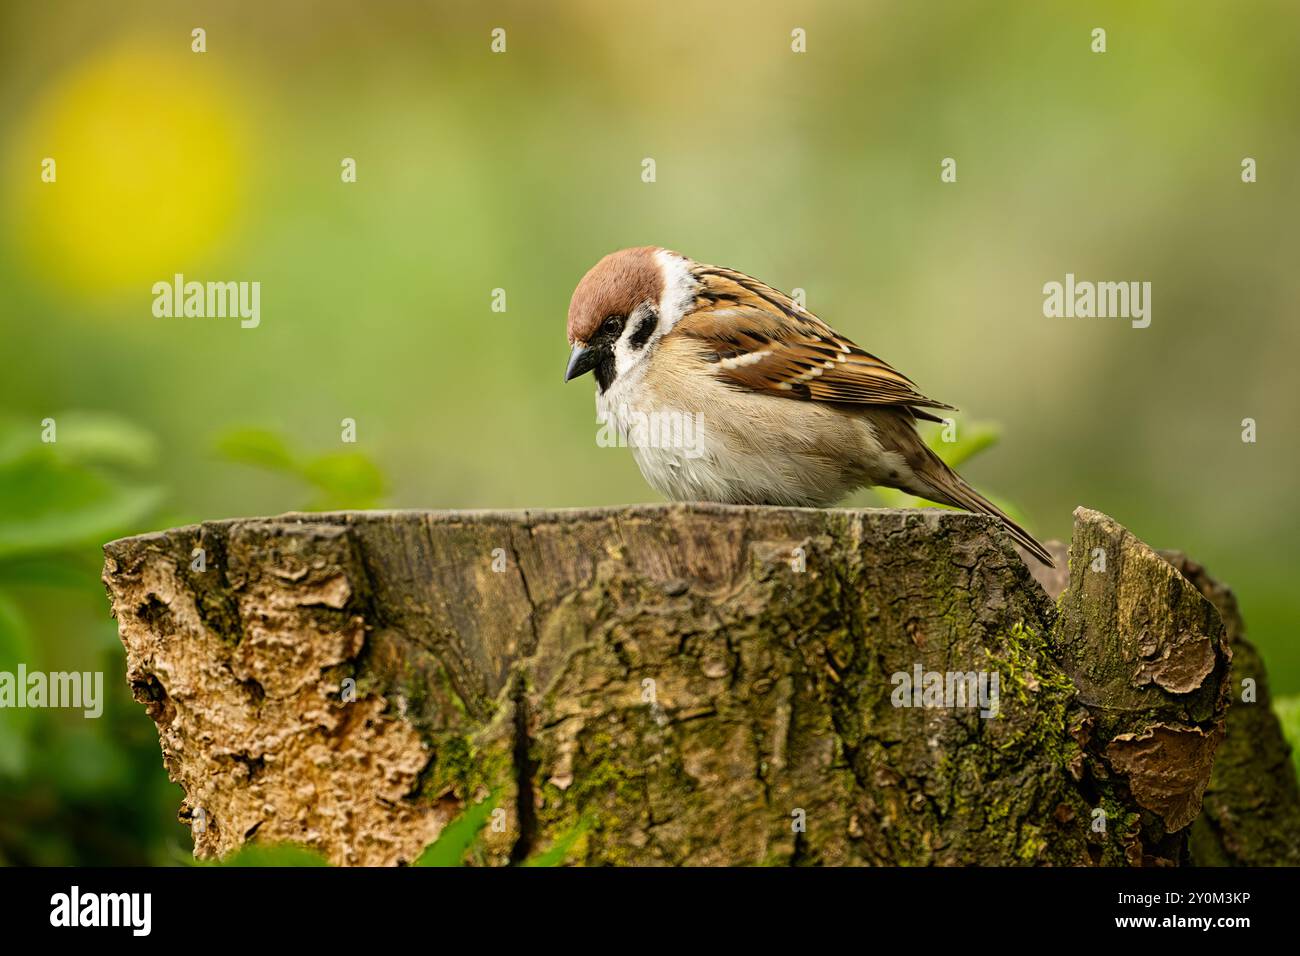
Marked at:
<point>612,324</point>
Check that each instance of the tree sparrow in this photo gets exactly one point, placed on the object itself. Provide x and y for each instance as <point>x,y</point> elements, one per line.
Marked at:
<point>780,408</point>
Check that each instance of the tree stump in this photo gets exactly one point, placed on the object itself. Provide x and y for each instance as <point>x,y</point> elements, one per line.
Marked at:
<point>690,684</point>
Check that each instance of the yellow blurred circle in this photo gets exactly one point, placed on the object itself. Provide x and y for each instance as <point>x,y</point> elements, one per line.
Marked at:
<point>147,148</point>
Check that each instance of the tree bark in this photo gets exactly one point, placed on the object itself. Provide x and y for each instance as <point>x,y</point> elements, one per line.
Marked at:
<point>1251,812</point>
<point>690,685</point>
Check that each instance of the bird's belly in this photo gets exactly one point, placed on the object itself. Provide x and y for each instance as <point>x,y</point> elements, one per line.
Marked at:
<point>738,479</point>
<point>724,454</point>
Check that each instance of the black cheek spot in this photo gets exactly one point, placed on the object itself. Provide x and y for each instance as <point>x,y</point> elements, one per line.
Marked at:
<point>644,329</point>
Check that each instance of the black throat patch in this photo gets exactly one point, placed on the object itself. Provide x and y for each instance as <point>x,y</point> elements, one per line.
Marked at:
<point>604,371</point>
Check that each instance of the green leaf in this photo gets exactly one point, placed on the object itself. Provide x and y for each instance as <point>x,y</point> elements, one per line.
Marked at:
<point>104,439</point>
<point>558,850</point>
<point>81,437</point>
<point>972,438</point>
<point>346,480</point>
<point>15,723</point>
<point>458,835</point>
<point>1288,714</point>
<point>47,505</point>
<point>259,447</point>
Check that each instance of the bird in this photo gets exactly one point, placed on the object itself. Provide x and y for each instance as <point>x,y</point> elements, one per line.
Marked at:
<point>779,408</point>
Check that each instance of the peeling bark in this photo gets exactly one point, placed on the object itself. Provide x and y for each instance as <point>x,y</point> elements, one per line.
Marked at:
<point>1251,814</point>
<point>675,685</point>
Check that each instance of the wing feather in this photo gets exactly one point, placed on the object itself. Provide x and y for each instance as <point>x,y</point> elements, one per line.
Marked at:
<point>761,339</point>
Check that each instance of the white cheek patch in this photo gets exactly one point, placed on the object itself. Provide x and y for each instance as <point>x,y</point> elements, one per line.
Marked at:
<point>679,288</point>
<point>678,297</point>
<point>627,353</point>
<point>626,357</point>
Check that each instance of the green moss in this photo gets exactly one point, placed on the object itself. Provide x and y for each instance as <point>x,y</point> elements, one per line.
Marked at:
<point>605,798</point>
<point>1119,820</point>
<point>1032,678</point>
<point>444,678</point>
<point>560,847</point>
<point>459,767</point>
<point>1032,844</point>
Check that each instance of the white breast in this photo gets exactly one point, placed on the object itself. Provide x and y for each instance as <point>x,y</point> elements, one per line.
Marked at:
<point>696,439</point>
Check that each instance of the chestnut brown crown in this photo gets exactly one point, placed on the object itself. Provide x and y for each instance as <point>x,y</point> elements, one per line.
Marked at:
<point>615,285</point>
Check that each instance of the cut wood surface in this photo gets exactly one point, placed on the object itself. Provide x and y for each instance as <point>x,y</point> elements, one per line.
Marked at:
<point>701,685</point>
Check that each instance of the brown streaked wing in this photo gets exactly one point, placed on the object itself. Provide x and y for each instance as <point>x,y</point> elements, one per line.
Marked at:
<point>760,339</point>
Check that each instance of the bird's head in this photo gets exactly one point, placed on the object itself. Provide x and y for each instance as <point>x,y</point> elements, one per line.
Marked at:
<point>622,307</point>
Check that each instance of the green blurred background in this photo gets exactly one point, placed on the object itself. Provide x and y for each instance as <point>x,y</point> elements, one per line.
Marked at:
<point>478,171</point>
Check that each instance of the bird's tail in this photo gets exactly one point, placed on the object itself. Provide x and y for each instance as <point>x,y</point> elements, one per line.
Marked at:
<point>937,482</point>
